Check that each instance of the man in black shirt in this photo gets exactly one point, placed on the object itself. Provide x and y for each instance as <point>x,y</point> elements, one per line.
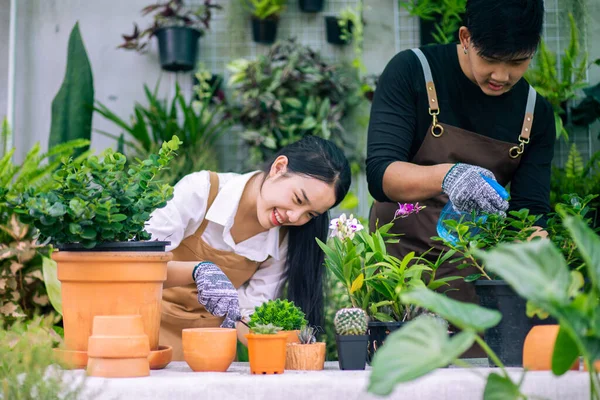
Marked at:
<point>446,116</point>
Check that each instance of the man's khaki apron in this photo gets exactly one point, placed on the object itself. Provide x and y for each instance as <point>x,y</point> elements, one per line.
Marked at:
<point>180,307</point>
<point>449,144</point>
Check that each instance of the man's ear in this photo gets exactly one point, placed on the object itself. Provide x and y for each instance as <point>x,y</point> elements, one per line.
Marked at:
<point>279,167</point>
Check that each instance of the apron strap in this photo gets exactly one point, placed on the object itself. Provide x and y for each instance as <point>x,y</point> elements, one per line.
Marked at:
<point>516,151</point>
<point>212,195</point>
<point>436,129</point>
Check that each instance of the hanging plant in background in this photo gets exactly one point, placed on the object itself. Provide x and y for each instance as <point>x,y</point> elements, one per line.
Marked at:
<point>439,20</point>
<point>198,123</point>
<point>177,29</point>
<point>265,18</point>
<point>289,93</point>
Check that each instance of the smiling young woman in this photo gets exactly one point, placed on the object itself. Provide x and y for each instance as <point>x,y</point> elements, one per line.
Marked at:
<point>240,240</point>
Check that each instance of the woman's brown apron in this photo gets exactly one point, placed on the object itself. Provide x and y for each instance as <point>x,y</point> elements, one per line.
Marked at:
<point>180,307</point>
<point>449,144</point>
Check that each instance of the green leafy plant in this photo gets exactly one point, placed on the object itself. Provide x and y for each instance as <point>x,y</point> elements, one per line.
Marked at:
<point>198,122</point>
<point>282,313</point>
<point>167,14</point>
<point>559,89</point>
<point>290,93</point>
<point>98,200</point>
<point>353,17</point>
<point>350,321</point>
<point>265,329</point>
<point>447,15</point>
<point>265,9</point>
<point>307,335</point>
<point>26,366</point>
<point>588,110</point>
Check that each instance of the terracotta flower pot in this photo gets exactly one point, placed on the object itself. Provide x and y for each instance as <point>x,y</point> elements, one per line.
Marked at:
<point>539,346</point>
<point>109,283</point>
<point>305,357</point>
<point>266,353</point>
<point>209,349</point>
<point>161,357</point>
<point>118,347</point>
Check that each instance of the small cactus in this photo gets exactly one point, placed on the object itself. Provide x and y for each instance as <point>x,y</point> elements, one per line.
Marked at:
<point>268,329</point>
<point>307,335</point>
<point>350,321</point>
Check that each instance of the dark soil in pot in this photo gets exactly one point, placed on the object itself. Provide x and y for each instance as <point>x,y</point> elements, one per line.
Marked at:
<point>119,246</point>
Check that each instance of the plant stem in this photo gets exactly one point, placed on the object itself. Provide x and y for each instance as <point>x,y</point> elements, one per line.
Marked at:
<point>492,355</point>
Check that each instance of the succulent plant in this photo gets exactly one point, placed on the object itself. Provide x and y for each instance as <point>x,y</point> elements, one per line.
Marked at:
<point>350,321</point>
<point>307,335</point>
<point>278,312</point>
<point>268,329</point>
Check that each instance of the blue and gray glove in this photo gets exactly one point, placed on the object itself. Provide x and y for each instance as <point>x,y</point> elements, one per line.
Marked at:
<point>468,191</point>
<point>216,293</point>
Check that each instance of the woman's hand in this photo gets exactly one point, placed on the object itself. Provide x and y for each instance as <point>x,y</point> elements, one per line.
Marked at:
<point>217,294</point>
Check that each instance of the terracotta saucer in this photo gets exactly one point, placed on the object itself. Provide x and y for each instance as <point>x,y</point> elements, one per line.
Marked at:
<point>160,358</point>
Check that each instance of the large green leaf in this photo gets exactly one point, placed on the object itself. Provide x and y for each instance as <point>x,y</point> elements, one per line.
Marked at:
<point>565,353</point>
<point>52,283</point>
<point>72,108</point>
<point>415,350</point>
<point>536,270</point>
<point>501,388</point>
<point>588,244</point>
<point>463,315</point>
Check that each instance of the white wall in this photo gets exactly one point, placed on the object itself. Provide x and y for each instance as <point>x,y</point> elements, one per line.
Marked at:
<point>43,29</point>
<point>4,28</point>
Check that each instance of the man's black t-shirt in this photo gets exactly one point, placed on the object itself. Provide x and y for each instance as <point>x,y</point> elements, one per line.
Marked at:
<point>400,119</point>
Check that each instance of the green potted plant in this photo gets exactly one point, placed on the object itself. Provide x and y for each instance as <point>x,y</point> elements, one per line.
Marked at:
<point>177,29</point>
<point>289,93</point>
<point>95,216</point>
<point>282,313</point>
<point>307,354</point>
<point>439,20</point>
<point>351,338</point>
<point>339,30</point>
<point>265,18</point>
<point>311,6</point>
<point>266,349</point>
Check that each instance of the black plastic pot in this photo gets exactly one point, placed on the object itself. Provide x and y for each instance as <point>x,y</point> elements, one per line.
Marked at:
<point>506,339</point>
<point>352,351</point>
<point>311,6</point>
<point>378,332</point>
<point>149,245</point>
<point>178,48</point>
<point>264,30</point>
<point>334,31</point>
<point>427,29</point>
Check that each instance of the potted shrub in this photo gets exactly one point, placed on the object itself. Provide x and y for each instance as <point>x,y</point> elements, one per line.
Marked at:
<point>308,354</point>
<point>311,6</point>
<point>95,216</point>
<point>289,93</point>
<point>265,18</point>
<point>266,349</point>
<point>439,20</point>
<point>351,338</point>
<point>373,278</point>
<point>177,29</point>
<point>339,30</point>
<point>282,313</point>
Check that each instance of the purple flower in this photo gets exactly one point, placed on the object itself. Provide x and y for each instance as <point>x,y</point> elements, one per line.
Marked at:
<point>406,209</point>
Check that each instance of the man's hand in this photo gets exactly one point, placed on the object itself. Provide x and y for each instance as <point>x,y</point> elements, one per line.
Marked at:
<point>217,294</point>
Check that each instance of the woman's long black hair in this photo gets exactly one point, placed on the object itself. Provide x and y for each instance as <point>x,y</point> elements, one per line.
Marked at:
<point>304,270</point>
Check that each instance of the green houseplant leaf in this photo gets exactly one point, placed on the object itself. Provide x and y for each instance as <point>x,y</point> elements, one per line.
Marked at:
<point>588,244</point>
<point>415,350</point>
<point>565,353</point>
<point>72,107</point>
<point>499,387</point>
<point>52,283</point>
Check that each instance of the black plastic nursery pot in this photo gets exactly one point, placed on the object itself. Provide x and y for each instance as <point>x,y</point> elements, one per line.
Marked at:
<point>139,246</point>
<point>352,351</point>
<point>264,30</point>
<point>378,332</point>
<point>507,338</point>
<point>334,31</point>
<point>311,6</point>
<point>178,48</point>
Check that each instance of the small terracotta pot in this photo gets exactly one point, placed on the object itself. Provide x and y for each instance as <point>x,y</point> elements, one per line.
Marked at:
<point>160,358</point>
<point>267,353</point>
<point>118,347</point>
<point>209,349</point>
<point>292,336</point>
<point>539,347</point>
<point>305,357</point>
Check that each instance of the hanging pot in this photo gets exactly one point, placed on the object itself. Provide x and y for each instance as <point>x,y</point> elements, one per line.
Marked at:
<point>334,31</point>
<point>178,47</point>
<point>264,30</point>
<point>311,6</point>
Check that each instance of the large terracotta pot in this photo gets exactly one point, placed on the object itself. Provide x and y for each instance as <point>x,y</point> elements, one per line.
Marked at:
<point>109,283</point>
<point>209,349</point>
<point>539,347</point>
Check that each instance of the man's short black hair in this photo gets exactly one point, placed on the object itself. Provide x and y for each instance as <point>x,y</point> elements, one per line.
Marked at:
<point>505,29</point>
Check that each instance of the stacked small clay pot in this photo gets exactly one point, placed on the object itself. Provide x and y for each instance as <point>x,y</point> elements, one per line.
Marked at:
<point>118,347</point>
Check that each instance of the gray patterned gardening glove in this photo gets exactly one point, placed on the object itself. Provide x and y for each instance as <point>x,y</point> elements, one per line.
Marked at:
<point>468,191</point>
<point>216,293</point>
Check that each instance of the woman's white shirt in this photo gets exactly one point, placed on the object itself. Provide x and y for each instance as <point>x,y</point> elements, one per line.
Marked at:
<point>184,213</point>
